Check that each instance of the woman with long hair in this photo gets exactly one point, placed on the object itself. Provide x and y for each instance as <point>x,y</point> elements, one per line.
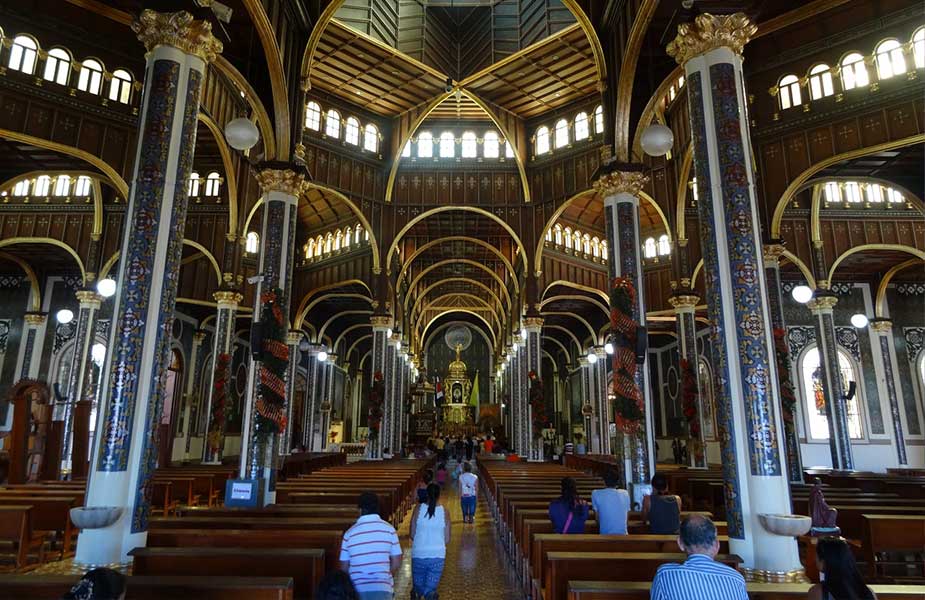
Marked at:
<point>841,579</point>
<point>430,533</point>
<point>661,509</point>
<point>568,512</point>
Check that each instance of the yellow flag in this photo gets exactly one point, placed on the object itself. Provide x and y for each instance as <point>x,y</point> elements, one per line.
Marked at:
<point>474,394</point>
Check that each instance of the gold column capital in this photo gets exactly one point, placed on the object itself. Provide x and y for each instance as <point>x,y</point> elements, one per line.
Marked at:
<point>381,322</point>
<point>533,323</point>
<point>709,32</point>
<point>683,301</point>
<point>881,325</point>
<point>35,319</point>
<point>89,298</point>
<point>822,303</point>
<point>293,338</point>
<point>177,29</point>
<point>616,182</point>
<point>199,336</point>
<point>227,297</point>
<point>773,252</point>
<point>286,181</point>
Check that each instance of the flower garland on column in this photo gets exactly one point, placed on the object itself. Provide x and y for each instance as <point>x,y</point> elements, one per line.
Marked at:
<point>628,402</point>
<point>689,399</point>
<point>376,398</point>
<point>219,401</point>
<point>788,398</point>
<point>537,405</point>
<point>271,391</point>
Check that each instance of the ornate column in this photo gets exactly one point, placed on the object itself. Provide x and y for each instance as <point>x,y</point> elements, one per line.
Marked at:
<point>125,447</point>
<point>747,394</point>
<point>33,336</point>
<point>684,305</point>
<point>195,403</point>
<point>213,444</point>
<point>399,380</point>
<point>882,330</point>
<point>836,407</point>
<point>281,188</point>
<point>519,410</point>
<point>381,331</point>
<point>310,415</point>
<point>388,413</point>
<point>534,328</point>
<point>327,399</point>
<point>772,254</point>
<point>620,190</point>
<point>587,405</point>
<point>186,427</point>
<point>602,402</point>
<point>285,436</point>
<point>81,360</point>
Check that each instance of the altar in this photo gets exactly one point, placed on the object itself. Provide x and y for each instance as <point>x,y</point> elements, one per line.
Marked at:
<point>457,415</point>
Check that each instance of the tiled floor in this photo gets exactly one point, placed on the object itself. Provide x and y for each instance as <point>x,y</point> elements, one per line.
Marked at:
<point>476,564</point>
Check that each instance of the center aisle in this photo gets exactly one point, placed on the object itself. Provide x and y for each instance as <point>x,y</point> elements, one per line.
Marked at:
<point>476,565</point>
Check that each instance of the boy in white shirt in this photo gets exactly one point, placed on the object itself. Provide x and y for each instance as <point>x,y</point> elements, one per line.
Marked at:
<point>468,490</point>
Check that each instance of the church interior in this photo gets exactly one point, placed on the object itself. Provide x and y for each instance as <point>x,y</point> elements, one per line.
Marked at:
<point>281,252</point>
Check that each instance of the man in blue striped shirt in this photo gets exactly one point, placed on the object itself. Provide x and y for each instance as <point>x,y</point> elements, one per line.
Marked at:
<point>700,577</point>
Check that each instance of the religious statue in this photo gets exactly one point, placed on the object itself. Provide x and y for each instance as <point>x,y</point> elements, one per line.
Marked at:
<point>823,515</point>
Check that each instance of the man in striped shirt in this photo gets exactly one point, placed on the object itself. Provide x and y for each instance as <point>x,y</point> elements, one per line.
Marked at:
<point>700,577</point>
<point>370,551</point>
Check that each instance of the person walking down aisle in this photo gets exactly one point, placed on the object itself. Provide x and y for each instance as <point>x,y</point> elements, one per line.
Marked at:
<point>370,551</point>
<point>430,533</point>
<point>568,512</point>
<point>700,577</point>
<point>468,491</point>
<point>661,510</point>
<point>842,579</point>
<point>611,505</point>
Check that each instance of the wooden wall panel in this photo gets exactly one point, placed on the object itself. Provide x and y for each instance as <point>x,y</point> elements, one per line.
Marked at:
<point>457,186</point>
<point>347,174</point>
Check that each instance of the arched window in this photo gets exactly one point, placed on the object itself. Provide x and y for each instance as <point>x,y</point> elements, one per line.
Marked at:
<point>789,92</point>
<point>42,185</point>
<point>596,247</point>
<point>549,235</point>
<point>586,244</point>
<point>918,48</point>
<point>319,246</point>
<point>672,93</point>
<point>852,191</point>
<point>832,192</point>
<point>447,145</point>
<point>348,235</point>
<point>581,126</point>
<point>820,82</point>
<point>814,395</point>
<point>853,71</point>
<point>194,183</point>
<point>561,138</point>
<point>694,193</point>
<point>604,254</point>
<point>252,242</point>
<point>469,145</point>
<point>21,188</point>
<point>120,86</point>
<point>664,246</point>
<point>23,53</point>
<point>490,144</point>
<point>58,66</point>
<point>313,116</point>
<point>707,401</point>
<point>425,144</point>
<point>82,187</point>
<point>328,242</point>
<point>557,234</point>
<point>91,76</point>
<point>371,138</point>
<point>310,248</point>
<point>213,182</point>
<point>406,152</point>
<point>874,193</point>
<point>890,59</point>
<point>542,140</point>
<point>568,238</point>
<point>338,238</point>
<point>894,196</point>
<point>576,240</point>
<point>599,120</point>
<point>352,131</point>
<point>332,124</point>
<point>649,249</point>
<point>62,185</point>
<point>365,234</point>
<point>357,230</point>
<point>508,150</point>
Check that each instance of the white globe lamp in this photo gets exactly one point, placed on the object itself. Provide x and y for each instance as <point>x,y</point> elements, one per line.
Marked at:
<point>64,316</point>
<point>802,294</point>
<point>657,140</point>
<point>106,287</point>
<point>241,134</point>
<point>322,356</point>
<point>592,357</point>
<point>859,320</point>
<point>608,348</point>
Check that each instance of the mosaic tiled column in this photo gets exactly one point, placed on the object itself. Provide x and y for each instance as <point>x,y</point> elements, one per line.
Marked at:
<point>81,361</point>
<point>311,415</point>
<point>533,348</point>
<point>280,189</point>
<point>389,415</point>
<point>684,310</point>
<point>125,447</point>
<point>836,407</point>
<point>327,399</point>
<point>620,190</point>
<point>399,380</point>
<point>587,405</point>
<point>33,334</point>
<point>519,411</point>
<point>747,393</point>
<point>195,401</point>
<point>882,330</point>
<point>772,254</point>
<point>222,343</point>
<point>292,370</point>
<point>381,327</point>
<point>602,410</point>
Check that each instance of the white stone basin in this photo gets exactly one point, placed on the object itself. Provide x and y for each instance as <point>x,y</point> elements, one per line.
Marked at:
<point>95,517</point>
<point>786,525</point>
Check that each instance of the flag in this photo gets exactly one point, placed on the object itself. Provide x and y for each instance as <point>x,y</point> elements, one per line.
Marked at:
<point>474,394</point>
<point>438,397</point>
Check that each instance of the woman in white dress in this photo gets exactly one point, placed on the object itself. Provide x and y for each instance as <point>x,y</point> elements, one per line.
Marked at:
<point>430,533</point>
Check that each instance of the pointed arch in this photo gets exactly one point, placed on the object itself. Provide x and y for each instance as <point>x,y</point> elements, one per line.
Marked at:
<point>577,286</point>
<point>344,313</point>
<point>437,284</point>
<point>465,311</point>
<point>465,261</point>
<point>231,183</point>
<point>35,289</point>
<point>51,241</point>
<point>324,288</point>
<point>458,238</point>
<point>867,247</point>
<point>880,301</point>
<point>303,313</point>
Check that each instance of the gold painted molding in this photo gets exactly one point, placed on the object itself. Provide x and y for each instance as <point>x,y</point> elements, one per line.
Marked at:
<point>89,298</point>
<point>228,297</point>
<point>621,182</point>
<point>624,97</point>
<point>881,325</point>
<point>231,182</point>
<point>880,302</point>
<point>458,238</point>
<point>267,136</point>
<point>866,247</point>
<point>179,30</point>
<point>51,241</point>
<point>35,319</point>
<point>36,290</point>
<point>684,302</point>
<point>709,32</point>
<point>821,304</point>
<point>286,181</point>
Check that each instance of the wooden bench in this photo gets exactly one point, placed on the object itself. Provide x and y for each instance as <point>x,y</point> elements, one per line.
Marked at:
<point>892,533</point>
<point>49,513</point>
<point>143,587</point>
<point>16,528</point>
<point>218,523</point>
<point>305,566</point>
<point>612,590</point>
<point>274,510</point>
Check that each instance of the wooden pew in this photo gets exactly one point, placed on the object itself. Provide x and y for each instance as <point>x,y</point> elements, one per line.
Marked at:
<point>305,566</point>
<point>625,590</point>
<point>610,566</point>
<point>142,587</point>
<point>892,533</point>
<point>218,523</point>
<point>274,510</point>
<point>16,527</point>
<point>49,513</point>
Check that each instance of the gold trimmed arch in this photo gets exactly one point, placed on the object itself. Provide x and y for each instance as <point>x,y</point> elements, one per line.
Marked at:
<point>805,270</point>
<point>51,241</point>
<point>107,266</point>
<point>574,297</point>
<point>568,355</point>
<point>458,238</point>
<point>624,96</point>
<point>577,286</point>
<point>437,284</point>
<point>466,295</point>
<point>451,261</point>
<point>343,313</point>
<point>568,331</point>
<point>683,177</point>
<point>348,330</point>
<point>354,344</point>
<point>33,279</point>
<point>465,311</point>
<point>868,247</point>
<point>556,313</point>
<point>231,183</point>
<point>464,208</point>
<point>304,313</point>
<point>880,302</point>
<point>324,288</point>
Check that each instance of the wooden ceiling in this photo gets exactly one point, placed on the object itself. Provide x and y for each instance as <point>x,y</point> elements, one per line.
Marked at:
<point>458,107</point>
<point>587,213</point>
<point>902,166</point>
<point>322,210</point>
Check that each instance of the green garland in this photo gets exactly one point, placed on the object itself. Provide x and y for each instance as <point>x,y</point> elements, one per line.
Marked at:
<point>271,389</point>
<point>628,407</point>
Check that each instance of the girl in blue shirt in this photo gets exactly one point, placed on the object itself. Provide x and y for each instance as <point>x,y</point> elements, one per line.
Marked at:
<point>568,512</point>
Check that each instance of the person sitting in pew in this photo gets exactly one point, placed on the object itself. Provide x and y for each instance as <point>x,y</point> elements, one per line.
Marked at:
<point>841,579</point>
<point>660,509</point>
<point>98,584</point>
<point>370,551</point>
<point>422,487</point>
<point>568,512</point>
<point>699,577</point>
<point>336,585</point>
<point>611,505</point>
